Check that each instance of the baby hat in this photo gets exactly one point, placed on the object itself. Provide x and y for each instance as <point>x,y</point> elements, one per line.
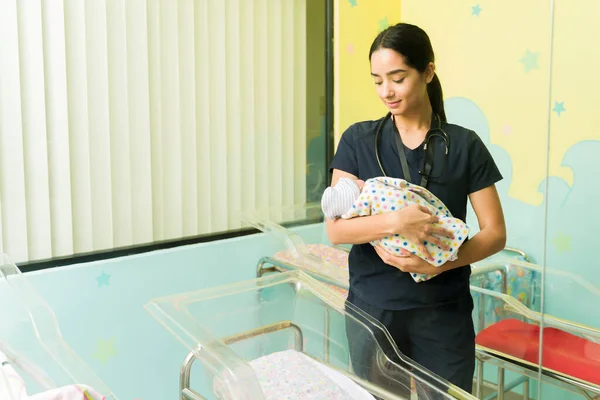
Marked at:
<point>337,200</point>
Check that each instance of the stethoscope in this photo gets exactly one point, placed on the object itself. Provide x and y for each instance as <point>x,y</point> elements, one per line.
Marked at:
<point>427,166</point>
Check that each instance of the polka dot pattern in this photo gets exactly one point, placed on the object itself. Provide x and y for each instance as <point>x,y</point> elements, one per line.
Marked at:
<point>383,194</point>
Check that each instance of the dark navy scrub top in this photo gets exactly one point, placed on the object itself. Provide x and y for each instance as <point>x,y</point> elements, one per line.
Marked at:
<point>470,167</point>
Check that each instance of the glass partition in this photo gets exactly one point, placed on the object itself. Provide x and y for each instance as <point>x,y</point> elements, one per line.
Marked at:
<point>515,72</point>
<point>494,62</point>
<point>572,280</point>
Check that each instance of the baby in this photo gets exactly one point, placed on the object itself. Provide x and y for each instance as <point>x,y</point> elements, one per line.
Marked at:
<point>351,198</point>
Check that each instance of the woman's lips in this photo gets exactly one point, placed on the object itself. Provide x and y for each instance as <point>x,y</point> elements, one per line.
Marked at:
<point>394,104</point>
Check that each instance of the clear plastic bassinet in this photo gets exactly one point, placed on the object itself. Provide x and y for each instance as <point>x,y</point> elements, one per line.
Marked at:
<point>35,362</point>
<point>286,335</point>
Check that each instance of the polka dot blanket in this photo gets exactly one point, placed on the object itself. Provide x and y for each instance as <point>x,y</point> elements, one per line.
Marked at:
<point>380,195</point>
<point>292,375</point>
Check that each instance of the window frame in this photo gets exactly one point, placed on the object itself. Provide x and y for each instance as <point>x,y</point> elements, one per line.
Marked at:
<point>79,258</point>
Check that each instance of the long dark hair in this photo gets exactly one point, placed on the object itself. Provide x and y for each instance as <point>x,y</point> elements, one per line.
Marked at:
<point>412,43</point>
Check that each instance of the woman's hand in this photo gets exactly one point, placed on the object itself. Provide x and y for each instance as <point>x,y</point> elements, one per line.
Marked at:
<point>407,262</point>
<point>416,223</point>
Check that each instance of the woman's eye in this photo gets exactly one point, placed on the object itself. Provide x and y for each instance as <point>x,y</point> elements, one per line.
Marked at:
<point>399,80</point>
<point>378,83</point>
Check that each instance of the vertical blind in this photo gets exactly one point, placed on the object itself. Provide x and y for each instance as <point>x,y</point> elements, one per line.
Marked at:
<point>132,121</point>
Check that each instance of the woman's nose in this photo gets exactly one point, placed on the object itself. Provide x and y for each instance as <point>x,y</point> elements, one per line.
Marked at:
<point>388,91</point>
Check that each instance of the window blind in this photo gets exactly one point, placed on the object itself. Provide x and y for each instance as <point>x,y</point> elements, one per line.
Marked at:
<point>125,122</point>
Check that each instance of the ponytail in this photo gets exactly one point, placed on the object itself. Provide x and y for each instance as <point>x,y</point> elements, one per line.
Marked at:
<point>436,97</point>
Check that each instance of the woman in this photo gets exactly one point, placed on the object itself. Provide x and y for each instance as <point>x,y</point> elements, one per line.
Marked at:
<point>430,321</point>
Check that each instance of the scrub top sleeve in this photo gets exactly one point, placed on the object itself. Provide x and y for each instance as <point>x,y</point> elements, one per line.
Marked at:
<point>345,155</point>
<point>483,171</point>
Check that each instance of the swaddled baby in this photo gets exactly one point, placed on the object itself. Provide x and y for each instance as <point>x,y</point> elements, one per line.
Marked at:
<point>354,198</point>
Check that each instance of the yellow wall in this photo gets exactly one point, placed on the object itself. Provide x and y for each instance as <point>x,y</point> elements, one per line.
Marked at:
<point>478,57</point>
<point>575,82</point>
<point>505,71</point>
<point>482,58</point>
<point>357,22</point>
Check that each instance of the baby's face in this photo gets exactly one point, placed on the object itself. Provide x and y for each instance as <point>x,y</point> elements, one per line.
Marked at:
<point>360,184</point>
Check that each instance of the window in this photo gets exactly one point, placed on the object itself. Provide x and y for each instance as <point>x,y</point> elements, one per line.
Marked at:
<point>130,122</point>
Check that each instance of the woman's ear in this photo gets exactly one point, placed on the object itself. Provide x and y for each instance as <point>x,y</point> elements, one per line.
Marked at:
<point>429,72</point>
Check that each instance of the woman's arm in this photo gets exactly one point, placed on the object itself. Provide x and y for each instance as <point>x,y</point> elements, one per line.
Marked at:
<point>358,230</point>
<point>491,237</point>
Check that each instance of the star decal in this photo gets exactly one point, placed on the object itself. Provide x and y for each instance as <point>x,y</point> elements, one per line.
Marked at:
<point>103,279</point>
<point>475,10</point>
<point>352,3</point>
<point>530,60</point>
<point>383,24</point>
<point>559,107</point>
<point>562,243</point>
<point>105,350</point>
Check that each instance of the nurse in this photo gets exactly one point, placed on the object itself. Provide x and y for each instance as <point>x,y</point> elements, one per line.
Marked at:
<point>430,321</point>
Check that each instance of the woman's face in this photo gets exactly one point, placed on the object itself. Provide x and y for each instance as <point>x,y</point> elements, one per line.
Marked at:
<point>402,89</point>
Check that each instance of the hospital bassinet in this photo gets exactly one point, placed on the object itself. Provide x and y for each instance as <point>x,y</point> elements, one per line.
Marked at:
<point>35,362</point>
<point>507,295</point>
<point>512,332</point>
<point>284,336</point>
<point>302,248</point>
